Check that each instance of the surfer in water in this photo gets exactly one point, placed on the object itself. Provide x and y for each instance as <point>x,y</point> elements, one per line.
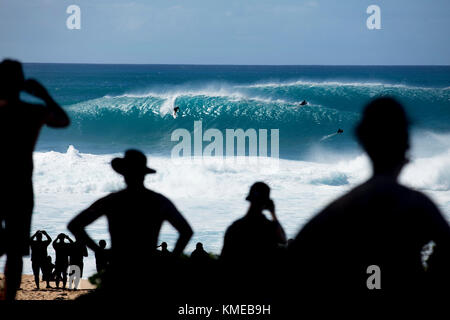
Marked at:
<point>340,130</point>
<point>303,103</point>
<point>175,111</point>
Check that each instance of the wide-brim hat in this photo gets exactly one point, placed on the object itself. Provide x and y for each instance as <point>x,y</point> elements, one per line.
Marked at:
<point>134,162</point>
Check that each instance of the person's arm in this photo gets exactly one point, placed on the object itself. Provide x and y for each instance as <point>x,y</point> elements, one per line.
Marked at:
<point>34,235</point>
<point>55,116</point>
<point>85,251</point>
<point>78,224</point>
<point>279,231</point>
<point>175,218</point>
<point>54,244</point>
<point>68,238</point>
<point>49,239</point>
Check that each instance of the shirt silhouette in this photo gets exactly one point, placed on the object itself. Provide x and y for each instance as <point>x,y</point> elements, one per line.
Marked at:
<point>20,124</point>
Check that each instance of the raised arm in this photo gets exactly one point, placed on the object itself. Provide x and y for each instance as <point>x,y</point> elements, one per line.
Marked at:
<point>55,116</point>
<point>78,224</point>
<point>68,238</point>
<point>175,218</point>
<point>49,239</point>
<point>34,235</point>
<point>279,231</point>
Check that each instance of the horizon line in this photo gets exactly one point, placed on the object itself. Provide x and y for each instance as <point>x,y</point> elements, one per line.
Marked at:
<point>244,65</point>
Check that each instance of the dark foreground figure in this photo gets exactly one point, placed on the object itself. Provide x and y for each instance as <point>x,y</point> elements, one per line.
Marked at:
<point>135,216</point>
<point>20,124</point>
<point>368,243</point>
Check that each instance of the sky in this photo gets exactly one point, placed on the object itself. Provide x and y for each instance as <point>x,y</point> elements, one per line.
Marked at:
<point>267,32</point>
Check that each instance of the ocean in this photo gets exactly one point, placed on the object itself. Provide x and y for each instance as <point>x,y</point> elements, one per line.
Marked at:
<point>116,107</point>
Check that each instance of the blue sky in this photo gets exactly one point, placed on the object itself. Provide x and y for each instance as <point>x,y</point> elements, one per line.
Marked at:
<point>329,32</point>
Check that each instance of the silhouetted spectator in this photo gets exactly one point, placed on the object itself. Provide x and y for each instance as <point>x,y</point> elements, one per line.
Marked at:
<point>47,271</point>
<point>199,254</point>
<point>78,251</point>
<point>254,237</point>
<point>252,246</point>
<point>164,252</point>
<point>379,223</point>
<point>39,254</point>
<point>62,253</point>
<point>20,124</point>
<point>135,216</point>
<point>101,256</point>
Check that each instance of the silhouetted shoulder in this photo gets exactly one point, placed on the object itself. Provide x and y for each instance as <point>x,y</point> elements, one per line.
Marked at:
<point>380,202</point>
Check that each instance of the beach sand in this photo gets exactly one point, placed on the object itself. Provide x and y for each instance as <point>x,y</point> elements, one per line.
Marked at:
<point>28,290</point>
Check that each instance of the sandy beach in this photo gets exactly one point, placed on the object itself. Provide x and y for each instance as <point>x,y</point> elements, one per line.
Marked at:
<point>28,290</point>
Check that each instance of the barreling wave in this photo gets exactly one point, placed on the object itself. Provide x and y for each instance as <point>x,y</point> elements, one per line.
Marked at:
<point>146,117</point>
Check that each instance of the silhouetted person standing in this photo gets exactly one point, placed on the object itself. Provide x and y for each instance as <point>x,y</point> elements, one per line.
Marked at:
<point>20,124</point>
<point>377,230</point>
<point>254,237</point>
<point>251,246</point>
<point>164,252</point>
<point>39,254</point>
<point>135,215</point>
<point>101,256</point>
<point>199,254</point>
<point>62,252</point>
<point>78,252</point>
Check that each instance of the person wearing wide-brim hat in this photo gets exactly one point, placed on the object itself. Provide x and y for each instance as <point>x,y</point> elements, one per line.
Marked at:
<point>135,216</point>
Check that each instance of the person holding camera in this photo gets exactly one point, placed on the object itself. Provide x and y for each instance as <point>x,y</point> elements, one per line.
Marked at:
<point>39,254</point>
<point>20,125</point>
<point>62,251</point>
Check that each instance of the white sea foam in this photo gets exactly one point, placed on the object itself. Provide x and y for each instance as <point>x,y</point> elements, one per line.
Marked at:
<point>210,193</point>
<point>307,83</point>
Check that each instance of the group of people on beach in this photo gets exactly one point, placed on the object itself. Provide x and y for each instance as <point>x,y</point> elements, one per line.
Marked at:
<point>379,225</point>
<point>67,253</point>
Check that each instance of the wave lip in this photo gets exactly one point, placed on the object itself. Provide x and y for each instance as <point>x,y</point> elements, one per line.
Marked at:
<point>307,83</point>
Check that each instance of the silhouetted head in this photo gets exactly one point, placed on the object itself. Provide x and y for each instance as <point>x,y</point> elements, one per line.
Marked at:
<point>199,246</point>
<point>61,236</point>
<point>102,244</point>
<point>11,79</point>
<point>259,194</point>
<point>383,133</point>
<point>133,166</point>
<point>39,236</point>
<point>164,246</point>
